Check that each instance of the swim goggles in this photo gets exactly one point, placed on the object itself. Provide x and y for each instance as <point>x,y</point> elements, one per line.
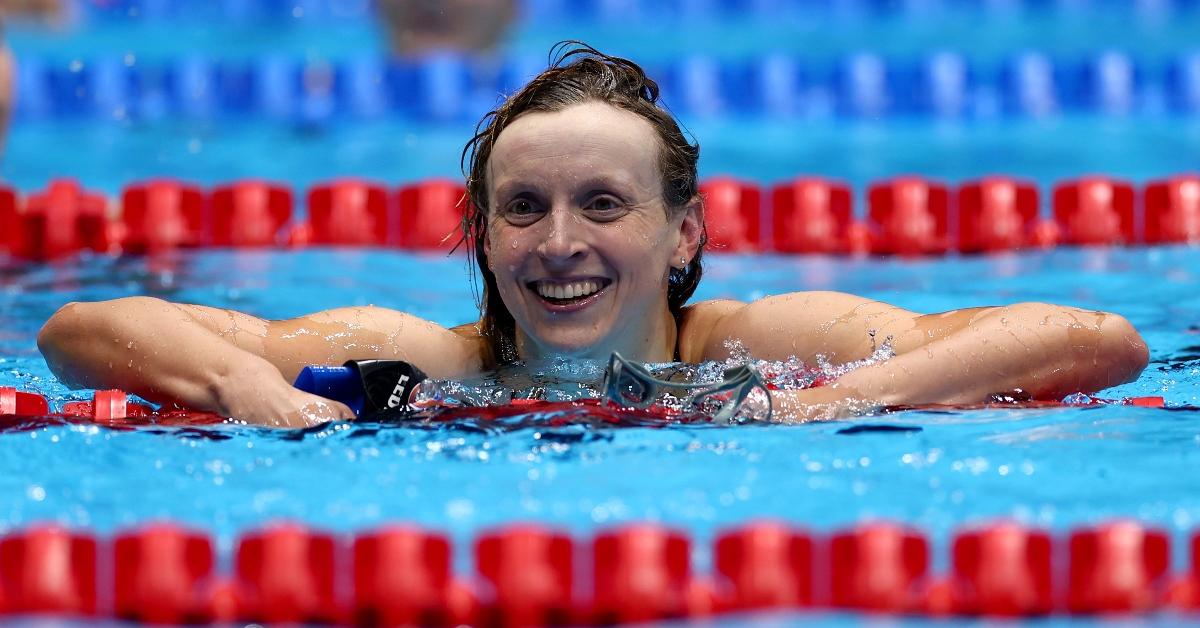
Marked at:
<point>629,385</point>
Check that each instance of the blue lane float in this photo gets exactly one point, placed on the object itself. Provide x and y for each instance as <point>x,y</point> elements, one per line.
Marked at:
<point>560,12</point>
<point>453,87</point>
<point>1183,83</point>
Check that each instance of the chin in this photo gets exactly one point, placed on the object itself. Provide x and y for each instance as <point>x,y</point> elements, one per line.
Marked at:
<point>573,345</point>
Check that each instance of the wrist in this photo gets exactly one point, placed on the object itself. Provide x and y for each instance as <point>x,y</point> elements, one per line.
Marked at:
<point>232,379</point>
<point>878,385</point>
<point>821,403</point>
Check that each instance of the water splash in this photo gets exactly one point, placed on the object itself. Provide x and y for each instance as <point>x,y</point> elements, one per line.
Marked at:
<point>568,379</point>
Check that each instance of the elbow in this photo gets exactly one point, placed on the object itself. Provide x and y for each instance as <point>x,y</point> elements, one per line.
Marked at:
<point>59,334</point>
<point>1100,349</point>
<point>56,333</point>
<point>67,339</point>
<point>1123,349</point>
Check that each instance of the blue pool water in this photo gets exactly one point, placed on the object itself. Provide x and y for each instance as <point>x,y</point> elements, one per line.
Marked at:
<point>1057,468</point>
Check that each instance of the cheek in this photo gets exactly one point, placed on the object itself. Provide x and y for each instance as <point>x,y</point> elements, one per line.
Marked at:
<point>648,241</point>
<point>504,251</point>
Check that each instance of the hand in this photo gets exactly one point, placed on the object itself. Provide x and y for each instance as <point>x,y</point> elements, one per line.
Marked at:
<point>292,409</point>
<point>266,399</point>
<point>823,403</point>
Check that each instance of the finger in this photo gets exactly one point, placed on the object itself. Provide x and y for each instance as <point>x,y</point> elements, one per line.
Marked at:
<point>321,410</point>
<point>342,412</point>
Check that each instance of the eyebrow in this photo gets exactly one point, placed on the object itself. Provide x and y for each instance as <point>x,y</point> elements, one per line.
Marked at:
<point>515,186</point>
<point>512,188</point>
<point>605,182</point>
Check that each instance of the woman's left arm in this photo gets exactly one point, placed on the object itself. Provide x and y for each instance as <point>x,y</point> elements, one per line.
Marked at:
<point>1030,349</point>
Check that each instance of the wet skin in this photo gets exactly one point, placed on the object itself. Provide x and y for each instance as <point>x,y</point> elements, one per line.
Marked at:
<point>576,198</point>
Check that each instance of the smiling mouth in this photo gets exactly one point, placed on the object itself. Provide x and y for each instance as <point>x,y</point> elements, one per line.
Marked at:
<point>567,293</point>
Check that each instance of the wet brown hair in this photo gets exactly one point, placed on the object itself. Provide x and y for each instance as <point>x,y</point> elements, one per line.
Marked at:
<point>577,74</point>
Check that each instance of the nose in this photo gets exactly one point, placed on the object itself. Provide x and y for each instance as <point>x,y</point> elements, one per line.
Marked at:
<point>564,242</point>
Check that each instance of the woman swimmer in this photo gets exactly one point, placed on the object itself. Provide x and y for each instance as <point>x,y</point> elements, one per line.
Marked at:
<point>588,233</point>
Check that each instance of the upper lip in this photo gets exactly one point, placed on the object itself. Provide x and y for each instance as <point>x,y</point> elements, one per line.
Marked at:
<point>567,280</point>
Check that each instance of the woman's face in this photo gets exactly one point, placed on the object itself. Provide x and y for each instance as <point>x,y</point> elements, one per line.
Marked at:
<point>578,234</point>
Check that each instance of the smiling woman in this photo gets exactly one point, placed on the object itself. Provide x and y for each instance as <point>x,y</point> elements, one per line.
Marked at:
<point>589,231</point>
<point>579,243</point>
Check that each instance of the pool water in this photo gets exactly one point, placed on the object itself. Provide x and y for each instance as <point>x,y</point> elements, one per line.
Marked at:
<point>1052,467</point>
<point>1058,468</point>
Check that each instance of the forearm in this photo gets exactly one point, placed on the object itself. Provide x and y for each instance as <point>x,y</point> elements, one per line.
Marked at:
<point>146,346</point>
<point>1033,349</point>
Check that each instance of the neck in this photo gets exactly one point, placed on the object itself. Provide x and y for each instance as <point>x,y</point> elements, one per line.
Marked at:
<point>653,343</point>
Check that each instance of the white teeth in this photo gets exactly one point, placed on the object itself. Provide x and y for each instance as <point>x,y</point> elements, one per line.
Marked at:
<point>572,290</point>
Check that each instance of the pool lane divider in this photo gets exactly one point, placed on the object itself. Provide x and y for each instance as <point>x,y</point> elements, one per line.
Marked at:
<point>113,408</point>
<point>312,92</point>
<point>908,216</point>
<point>529,574</point>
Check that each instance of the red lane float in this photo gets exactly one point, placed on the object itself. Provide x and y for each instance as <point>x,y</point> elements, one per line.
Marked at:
<point>402,577</point>
<point>909,216</point>
<point>248,213</point>
<point>1172,210</point>
<point>61,221</point>
<point>13,401</point>
<point>878,567</point>
<point>812,215</point>
<point>349,212</point>
<point>1119,567</point>
<point>48,570</point>
<point>1188,586</point>
<point>642,573</point>
<point>8,219</point>
<point>1003,570</point>
<point>163,574</point>
<point>906,216</point>
<point>528,570</point>
<point>1094,210</point>
<point>160,215</point>
<point>766,565</point>
<point>431,214</point>
<point>112,409</point>
<point>107,406</point>
<point>732,215</point>
<point>285,574</point>
<point>997,214</point>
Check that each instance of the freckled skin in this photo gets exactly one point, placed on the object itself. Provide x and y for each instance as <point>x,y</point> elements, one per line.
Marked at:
<point>577,194</point>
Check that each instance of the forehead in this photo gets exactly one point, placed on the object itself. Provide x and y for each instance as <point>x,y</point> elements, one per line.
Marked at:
<point>585,140</point>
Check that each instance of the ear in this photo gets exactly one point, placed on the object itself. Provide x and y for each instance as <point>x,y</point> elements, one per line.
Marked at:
<point>487,246</point>
<point>690,230</point>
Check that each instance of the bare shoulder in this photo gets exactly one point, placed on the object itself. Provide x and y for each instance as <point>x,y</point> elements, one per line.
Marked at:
<point>697,323</point>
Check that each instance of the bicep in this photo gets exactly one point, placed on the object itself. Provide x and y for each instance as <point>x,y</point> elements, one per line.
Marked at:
<point>337,335</point>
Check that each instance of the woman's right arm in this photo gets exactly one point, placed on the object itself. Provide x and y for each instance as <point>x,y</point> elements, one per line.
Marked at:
<point>229,362</point>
